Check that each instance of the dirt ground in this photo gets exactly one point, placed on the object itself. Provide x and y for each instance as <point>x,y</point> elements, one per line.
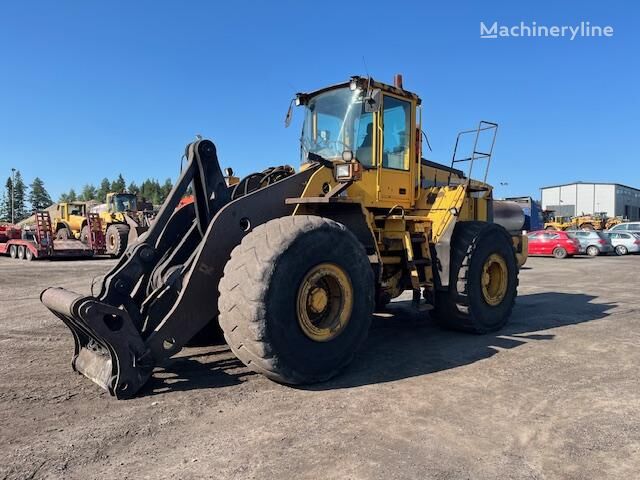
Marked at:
<point>554,395</point>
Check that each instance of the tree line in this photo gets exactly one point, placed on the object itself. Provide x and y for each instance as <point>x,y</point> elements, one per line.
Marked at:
<point>27,199</point>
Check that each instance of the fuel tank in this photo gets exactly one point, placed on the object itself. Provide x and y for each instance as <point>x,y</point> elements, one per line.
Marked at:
<point>508,214</point>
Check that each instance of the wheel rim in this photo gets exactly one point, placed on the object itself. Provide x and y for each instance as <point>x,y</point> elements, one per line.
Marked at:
<point>592,251</point>
<point>324,302</point>
<point>494,279</point>
<point>112,241</point>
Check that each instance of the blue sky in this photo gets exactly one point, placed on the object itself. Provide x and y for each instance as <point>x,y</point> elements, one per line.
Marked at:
<point>92,89</point>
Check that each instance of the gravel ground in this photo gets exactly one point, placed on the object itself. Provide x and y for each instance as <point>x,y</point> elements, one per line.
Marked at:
<point>554,395</point>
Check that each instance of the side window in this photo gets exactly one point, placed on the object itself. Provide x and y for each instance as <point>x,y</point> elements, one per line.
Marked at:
<point>554,236</point>
<point>364,138</point>
<point>397,128</point>
<point>633,226</point>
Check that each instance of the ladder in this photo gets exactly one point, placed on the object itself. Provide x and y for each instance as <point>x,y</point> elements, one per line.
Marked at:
<point>95,240</point>
<point>44,232</point>
<point>484,126</point>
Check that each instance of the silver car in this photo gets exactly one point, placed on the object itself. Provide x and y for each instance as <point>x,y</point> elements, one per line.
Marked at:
<point>624,242</point>
<point>591,242</point>
<point>626,227</point>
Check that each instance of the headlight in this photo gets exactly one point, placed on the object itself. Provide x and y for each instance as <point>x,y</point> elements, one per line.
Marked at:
<point>343,171</point>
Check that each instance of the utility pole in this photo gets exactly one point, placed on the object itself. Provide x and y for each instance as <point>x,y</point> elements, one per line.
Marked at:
<point>13,189</point>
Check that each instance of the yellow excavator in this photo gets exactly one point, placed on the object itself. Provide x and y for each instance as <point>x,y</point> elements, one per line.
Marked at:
<point>292,264</point>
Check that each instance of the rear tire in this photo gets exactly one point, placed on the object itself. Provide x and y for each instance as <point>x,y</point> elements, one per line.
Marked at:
<point>63,234</point>
<point>559,252</point>
<point>13,251</point>
<point>621,250</point>
<point>28,254</point>
<point>269,286</point>
<point>475,302</point>
<point>593,251</point>
<point>116,238</point>
<point>21,252</point>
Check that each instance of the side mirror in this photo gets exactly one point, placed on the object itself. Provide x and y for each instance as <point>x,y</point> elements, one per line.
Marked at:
<point>372,101</point>
<point>289,116</point>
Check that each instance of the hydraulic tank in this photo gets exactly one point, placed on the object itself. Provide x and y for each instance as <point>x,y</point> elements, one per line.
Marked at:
<point>508,214</point>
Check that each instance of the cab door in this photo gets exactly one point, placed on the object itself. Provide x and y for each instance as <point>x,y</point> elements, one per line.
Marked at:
<point>396,151</point>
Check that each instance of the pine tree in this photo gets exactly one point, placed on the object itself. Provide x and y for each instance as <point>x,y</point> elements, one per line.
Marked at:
<point>19,200</point>
<point>105,187</point>
<point>6,201</point>
<point>133,188</point>
<point>165,189</point>
<point>118,185</point>
<point>71,196</point>
<point>38,196</point>
<point>88,193</point>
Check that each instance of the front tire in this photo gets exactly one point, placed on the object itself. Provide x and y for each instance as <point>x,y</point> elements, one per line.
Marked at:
<point>116,238</point>
<point>296,299</point>
<point>483,280</point>
<point>593,251</point>
<point>63,234</point>
<point>84,235</point>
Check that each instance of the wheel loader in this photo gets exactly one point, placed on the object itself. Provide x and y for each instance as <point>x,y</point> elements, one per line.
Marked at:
<point>69,220</point>
<point>292,264</point>
<point>122,220</point>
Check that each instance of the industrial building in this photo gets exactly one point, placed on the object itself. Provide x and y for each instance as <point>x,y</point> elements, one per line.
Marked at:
<point>582,198</point>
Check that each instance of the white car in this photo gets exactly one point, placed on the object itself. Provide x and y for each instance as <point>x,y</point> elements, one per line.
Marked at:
<point>626,227</point>
<point>624,241</point>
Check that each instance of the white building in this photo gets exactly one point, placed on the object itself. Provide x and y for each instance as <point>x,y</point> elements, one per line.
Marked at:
<point>587,198</point>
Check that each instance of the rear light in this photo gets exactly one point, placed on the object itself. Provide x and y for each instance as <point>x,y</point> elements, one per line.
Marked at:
<point>601,242</point>
<point>637,242</point>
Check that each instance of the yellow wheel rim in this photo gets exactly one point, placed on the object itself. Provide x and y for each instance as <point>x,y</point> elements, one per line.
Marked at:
<point>324,302</point>
<point>494,279</point>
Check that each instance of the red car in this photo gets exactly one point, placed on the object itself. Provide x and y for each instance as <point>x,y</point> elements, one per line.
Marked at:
<point>556,243</point>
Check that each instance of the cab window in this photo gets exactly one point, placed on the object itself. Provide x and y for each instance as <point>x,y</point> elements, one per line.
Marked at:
<point>396,119</point>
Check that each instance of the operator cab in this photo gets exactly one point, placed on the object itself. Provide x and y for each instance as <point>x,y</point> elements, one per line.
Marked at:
<point>123,202</point>
<point>370,122</point>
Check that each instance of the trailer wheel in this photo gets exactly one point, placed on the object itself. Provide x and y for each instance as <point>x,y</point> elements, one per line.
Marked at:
<point>296,299</point>
<point>21,252</point>
<point>28,254</point>
<point>117,236</point>
<point>63,234</point>
<point>483,282</point>
<point>13,251</point>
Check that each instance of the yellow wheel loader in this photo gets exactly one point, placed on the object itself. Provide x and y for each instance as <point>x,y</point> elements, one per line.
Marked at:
<point>122,220</point>
<point>293,265</point>
<point>69,220</point>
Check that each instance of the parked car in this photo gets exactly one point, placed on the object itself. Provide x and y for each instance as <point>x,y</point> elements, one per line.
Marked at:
<point>591,242</point>
<point>626,227</point>
<point>556,243</point>
<point>624,242</point>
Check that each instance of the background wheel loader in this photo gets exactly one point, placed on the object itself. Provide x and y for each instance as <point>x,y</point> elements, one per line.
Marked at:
<point>122,220</point>
<point>69,220</point>
<point>293,268</point>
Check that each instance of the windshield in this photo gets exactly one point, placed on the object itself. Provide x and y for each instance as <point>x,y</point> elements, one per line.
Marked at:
<point>334,122</point>
<point>124,202</point>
